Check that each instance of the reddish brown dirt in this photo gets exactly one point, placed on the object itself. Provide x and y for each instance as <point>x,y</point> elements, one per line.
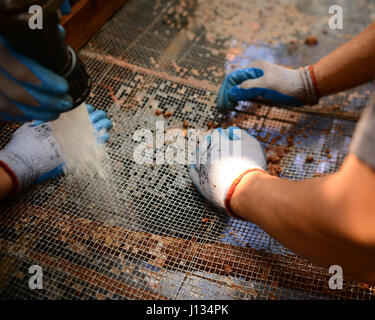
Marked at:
<point>275,140</point>
<point>290,140</point>
<point>280,153</point>
<point>274,169</point>
<point>309,159</point>
<point>273,158</point>
<point>311,41</point>
<point>212,125</point>
<point>228,269</point>
<point>363,285</point>
<point>167,114</point>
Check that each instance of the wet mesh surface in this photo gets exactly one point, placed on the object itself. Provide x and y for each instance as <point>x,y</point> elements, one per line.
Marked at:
<point>147,233</point>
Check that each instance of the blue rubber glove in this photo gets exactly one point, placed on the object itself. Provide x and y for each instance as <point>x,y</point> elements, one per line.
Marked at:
<point>65,7</point>
<point>33,155</point>
<point>28,91</point>
<point>269,83</point>
<point>222,157</point>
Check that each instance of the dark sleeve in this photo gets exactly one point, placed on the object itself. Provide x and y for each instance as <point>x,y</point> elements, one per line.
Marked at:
<point>363,142</point>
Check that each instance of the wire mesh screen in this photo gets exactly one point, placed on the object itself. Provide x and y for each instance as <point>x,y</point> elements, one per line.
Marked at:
<point>146,233</point>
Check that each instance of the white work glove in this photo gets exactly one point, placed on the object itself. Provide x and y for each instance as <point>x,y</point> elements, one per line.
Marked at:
<point>33,156</point>
<point>269,83</point>
<point>222,159</point>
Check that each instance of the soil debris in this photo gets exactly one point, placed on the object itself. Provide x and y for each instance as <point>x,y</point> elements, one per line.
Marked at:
<point>275,140</point>
<point>290,141</point>
<point>363,285</point>
<point>264,139</point>
<point>212,125</point>
<point>309,159</point>
<point>167,114</point>
<point>228,269</point>
<point>319,174</point>
<point>280,153</point>
<point>311,41</point>
<point>274,169</point>
<point>273,158</point>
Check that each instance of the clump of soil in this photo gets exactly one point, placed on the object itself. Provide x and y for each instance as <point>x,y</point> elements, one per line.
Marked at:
<point>334,107</point>
<point>273,158</point>
<point>266,138</point>
<point>228,269</point>
<point>167,114</point>
<point>363,285</point>
<point>319,174</point>
<point>274,169</point>
<point>280,153</point>
<point>290,141</point>
<point>212,125</point>
<point>309,159</point>
<point>311,41</point>
<point>275,140</point>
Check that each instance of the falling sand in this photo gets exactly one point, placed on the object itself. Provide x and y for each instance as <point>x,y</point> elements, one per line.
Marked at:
<point>82,154</point>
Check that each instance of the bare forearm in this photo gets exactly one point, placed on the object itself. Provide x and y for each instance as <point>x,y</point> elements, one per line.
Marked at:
<point>6,184</point>
<point>310,217</point>
<point>348,66</point>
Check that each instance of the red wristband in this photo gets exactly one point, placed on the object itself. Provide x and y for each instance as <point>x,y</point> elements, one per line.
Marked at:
<point>231,190</point>
<point>313,78</point>
<point>13,177</point>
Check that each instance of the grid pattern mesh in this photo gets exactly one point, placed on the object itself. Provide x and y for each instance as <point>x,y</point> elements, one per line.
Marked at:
<point>146,233</point>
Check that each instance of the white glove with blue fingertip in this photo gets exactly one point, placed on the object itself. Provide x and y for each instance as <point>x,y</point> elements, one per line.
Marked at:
<point>33,155</point>
<point>222,159</point>
<point>269,83</point>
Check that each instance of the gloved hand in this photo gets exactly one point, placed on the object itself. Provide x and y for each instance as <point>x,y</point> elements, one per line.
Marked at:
<point>33,156</point>
<point>269,83</point>
<point>28,91</point>
<point>65,7</point>
<point>222,159</point>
